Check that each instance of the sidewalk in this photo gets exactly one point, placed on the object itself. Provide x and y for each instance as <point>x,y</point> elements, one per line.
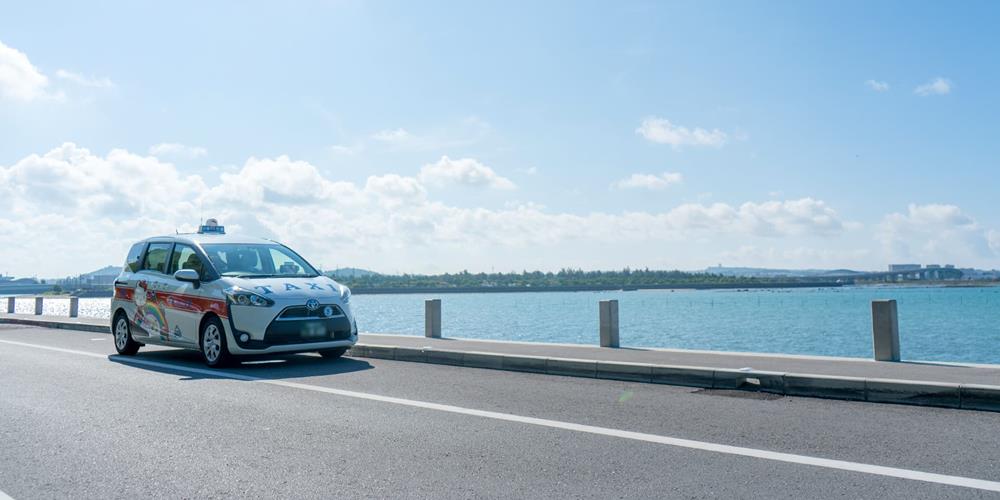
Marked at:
<point>819,365</point>
<point>919,383</point>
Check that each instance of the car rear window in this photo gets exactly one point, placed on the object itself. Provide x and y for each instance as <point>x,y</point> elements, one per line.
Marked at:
<point>134,257</point>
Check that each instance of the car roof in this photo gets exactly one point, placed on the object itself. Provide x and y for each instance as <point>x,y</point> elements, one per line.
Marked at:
<point>202,239</point>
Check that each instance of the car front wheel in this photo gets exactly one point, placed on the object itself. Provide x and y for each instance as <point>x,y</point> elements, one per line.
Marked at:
<point>123,337</point>
<point>333,353</point>
<point>213,344</point>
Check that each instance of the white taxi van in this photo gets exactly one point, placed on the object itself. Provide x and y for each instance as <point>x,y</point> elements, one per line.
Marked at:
<point>228,296</point>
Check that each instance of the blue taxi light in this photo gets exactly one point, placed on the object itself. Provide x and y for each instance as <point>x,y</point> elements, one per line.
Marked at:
<point>211,229</point>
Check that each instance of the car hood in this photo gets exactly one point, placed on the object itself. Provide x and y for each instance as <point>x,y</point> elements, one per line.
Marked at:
<point>290,288</point>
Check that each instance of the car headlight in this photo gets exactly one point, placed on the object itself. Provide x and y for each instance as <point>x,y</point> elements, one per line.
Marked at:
<point>241,297</point>
<point>345,294</point>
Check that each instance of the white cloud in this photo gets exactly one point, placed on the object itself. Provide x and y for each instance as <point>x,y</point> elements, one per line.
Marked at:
<point>92,206</point>
<point>936,233</point>
<point>86,81</point>
<point>177,150</point>
<point>649,181</point>
<point>795,257</point>
<point>877,86</point>
<point>341,149</point>
<point>87,202</point>
<point>19,79</point>
<point>937,86</point>
<point>661,131</point>
<point>394,190</point>
<point>766,219</point>
<point>467,131</point>
<point>993,240</point>
<point>394,136</point>
<point>461,133</point>
<point>463,171</point>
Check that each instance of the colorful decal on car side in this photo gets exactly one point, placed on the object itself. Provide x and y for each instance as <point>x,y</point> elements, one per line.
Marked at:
<point>150,307</point>
<point>149,312</point>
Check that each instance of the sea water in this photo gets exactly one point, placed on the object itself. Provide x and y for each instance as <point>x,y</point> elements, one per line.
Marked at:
<point>935,323</point>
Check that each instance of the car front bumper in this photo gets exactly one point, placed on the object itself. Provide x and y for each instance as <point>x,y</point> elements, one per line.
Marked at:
<point>234,347</point>
<point>282,329</point>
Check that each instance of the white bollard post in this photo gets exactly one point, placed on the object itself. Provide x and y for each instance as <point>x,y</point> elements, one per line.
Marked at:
<point>38,305</point>
<point>432,318</point>
<point>74,307</point>
<point>885,330</point>
<point>10,305</point>
<point>609,323</point>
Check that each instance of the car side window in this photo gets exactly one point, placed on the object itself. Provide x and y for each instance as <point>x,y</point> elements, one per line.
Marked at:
<point>134,257</point>
<point>185,257</point>
<point>156,257</point>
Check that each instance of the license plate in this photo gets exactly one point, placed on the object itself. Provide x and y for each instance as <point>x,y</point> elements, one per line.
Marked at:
<point>314,330</point>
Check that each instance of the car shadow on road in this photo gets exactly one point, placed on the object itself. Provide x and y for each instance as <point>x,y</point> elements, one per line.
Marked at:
<point>182,361</point>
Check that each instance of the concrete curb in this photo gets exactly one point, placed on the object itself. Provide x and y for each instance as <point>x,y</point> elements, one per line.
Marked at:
<point>875,390</point>
<point>849,388</point>
<point>59,325</point>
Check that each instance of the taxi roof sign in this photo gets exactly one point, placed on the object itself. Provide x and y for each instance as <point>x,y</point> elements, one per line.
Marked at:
<point>211,226</point>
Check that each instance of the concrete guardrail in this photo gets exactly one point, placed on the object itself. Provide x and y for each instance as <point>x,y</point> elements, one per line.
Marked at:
<point>74,305</point>
<point>885,323</point>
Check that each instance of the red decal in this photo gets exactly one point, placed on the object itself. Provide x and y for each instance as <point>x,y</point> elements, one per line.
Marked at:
<point>193,303</point>
<point>178,301</point>
<point>123,293</point>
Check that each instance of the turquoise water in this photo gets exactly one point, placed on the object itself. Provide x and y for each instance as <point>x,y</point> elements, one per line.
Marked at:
<point>936,324</point>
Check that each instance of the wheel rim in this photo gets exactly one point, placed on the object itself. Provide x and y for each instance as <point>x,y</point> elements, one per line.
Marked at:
<point>212,343</point>
<point>121,333</point>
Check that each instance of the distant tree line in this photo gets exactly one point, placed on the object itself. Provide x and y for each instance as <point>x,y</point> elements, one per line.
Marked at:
<point>564,278</point>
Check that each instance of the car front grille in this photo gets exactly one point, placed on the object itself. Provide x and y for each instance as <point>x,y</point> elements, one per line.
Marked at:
<point>299,313</point>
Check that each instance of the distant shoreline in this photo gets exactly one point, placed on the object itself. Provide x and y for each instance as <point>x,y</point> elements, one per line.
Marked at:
<point>589,288</point>
<point>360,290</point>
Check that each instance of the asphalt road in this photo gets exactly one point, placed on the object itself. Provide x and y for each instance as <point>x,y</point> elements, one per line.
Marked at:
<point>76,421</point>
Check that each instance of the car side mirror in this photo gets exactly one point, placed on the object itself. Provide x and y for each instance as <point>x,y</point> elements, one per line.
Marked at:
<point>188,275</point>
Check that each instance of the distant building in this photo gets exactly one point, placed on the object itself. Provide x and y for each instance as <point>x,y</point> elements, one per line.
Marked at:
<point>900,268</point>
<point>101,277</point>
<point>21,286</point>
<point>932,266</point>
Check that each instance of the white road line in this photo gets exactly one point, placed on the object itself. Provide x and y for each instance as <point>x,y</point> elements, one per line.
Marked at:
<point>877,470</point>
<point>102,338</point>
<point>4,496</point>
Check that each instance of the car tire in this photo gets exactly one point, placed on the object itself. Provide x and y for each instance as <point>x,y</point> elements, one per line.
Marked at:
<point>333,353</point>
<point>122,334</point>
<point>212,340</point>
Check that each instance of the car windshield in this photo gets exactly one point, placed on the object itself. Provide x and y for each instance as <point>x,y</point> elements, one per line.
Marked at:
<point>249,260</point>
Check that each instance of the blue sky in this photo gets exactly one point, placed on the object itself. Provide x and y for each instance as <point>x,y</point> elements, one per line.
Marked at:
<point>426,137</point>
